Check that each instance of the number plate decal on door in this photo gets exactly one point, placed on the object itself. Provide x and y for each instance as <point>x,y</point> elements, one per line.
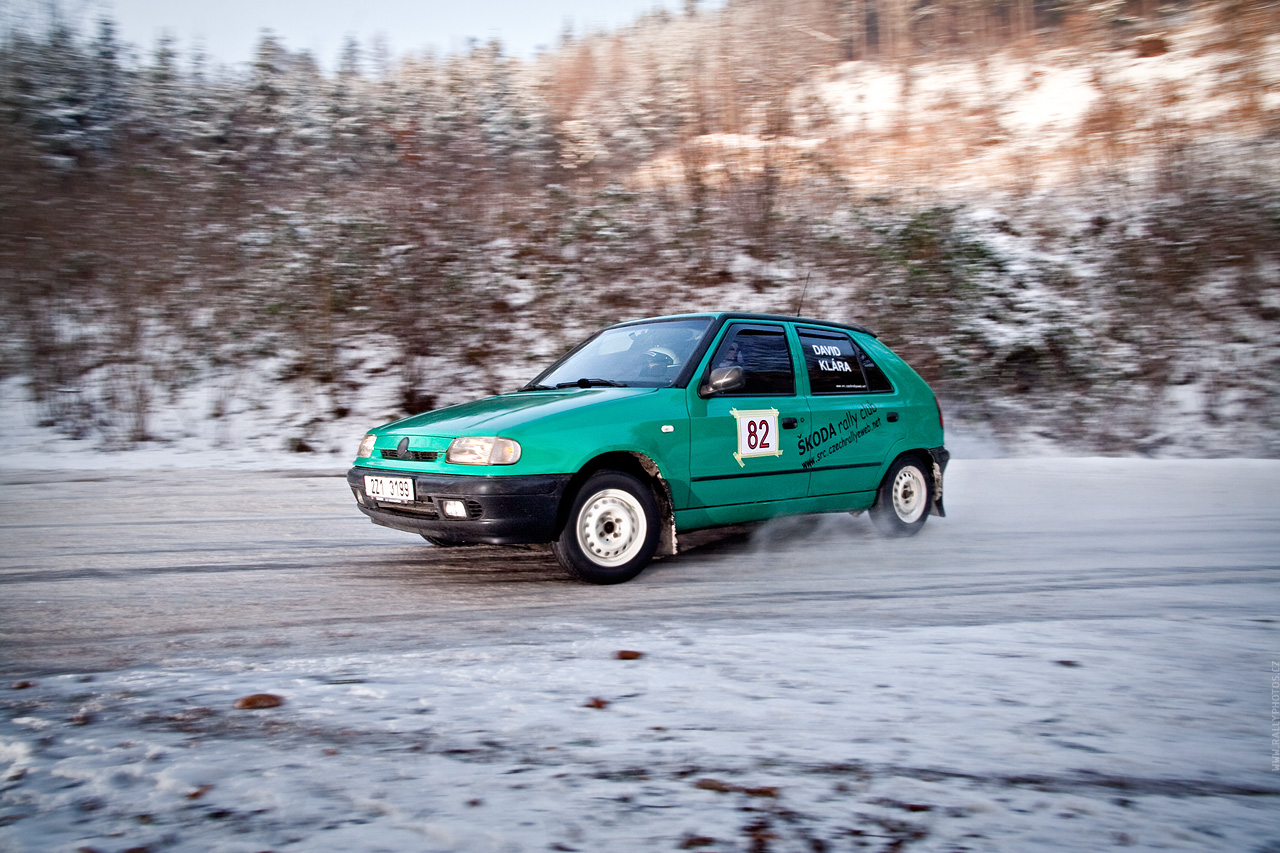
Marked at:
<point>757,434</point>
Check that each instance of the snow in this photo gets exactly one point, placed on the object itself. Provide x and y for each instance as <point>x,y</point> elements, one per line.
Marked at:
<point>1018,737</point>
<point>1051,727</point>
<point>1034,108</point>
<point>230,420</point>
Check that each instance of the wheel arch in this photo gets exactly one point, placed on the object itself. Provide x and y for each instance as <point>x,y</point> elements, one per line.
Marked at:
<point>929,463</point>
<point>644,469</point>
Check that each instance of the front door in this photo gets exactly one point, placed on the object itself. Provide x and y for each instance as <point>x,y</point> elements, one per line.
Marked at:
<point>743,448</point>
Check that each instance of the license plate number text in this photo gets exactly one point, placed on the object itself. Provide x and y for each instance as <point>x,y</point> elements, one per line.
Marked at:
<point>391,489</point>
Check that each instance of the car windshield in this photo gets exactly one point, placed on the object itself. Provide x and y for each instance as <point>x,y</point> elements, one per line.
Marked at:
<point>645,354</point>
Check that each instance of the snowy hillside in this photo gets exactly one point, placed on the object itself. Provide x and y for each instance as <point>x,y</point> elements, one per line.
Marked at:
<point>1071,229</point>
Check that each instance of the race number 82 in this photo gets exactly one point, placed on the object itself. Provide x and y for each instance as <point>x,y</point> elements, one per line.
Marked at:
<point>757,433</point>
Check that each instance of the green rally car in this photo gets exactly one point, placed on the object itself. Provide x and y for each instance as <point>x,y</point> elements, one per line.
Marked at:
<point>653,428</point>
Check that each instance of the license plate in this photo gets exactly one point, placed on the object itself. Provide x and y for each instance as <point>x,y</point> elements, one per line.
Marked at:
<point>391,489</point>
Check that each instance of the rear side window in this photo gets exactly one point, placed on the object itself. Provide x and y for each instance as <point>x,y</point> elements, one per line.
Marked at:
<point>763,355</point>
<point>877,382</point>
<point>837,365</point>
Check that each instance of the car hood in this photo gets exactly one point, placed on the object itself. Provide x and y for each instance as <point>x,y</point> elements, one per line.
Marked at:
<point>497,415</point>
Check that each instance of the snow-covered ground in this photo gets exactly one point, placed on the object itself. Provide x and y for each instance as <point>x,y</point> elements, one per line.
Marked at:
<point>1082,656</point>
<point>1018,737</point>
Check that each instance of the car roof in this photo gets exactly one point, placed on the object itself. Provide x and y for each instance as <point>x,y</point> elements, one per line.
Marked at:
<point>723,317</point>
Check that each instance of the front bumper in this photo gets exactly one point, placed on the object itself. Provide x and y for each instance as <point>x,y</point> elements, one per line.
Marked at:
<point>500,510</point>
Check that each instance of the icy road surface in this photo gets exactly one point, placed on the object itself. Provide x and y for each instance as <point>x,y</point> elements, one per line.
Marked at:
<point>1083,656</point>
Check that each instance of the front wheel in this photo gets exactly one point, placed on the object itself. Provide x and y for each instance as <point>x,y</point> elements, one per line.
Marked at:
<point>902,504</point>
<point>612,530</point>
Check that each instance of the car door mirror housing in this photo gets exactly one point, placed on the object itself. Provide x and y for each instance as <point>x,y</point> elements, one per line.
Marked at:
<point>723,380</point>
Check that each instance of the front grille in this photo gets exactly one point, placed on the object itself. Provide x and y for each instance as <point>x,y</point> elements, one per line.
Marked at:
<point>411,455</point>
<point>425,508</point>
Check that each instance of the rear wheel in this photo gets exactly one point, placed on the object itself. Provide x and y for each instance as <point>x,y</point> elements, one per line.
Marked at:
<point>902,504</point>
<point>612,530</point>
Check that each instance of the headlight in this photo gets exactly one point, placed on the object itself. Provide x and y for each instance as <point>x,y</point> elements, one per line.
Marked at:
<point>366,446</point>
<point>486,450</point>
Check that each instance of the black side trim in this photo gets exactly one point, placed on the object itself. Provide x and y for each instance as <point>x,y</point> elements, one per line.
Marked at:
<point>845,467</point>
<point>745,475</point>
<point>780,473</point>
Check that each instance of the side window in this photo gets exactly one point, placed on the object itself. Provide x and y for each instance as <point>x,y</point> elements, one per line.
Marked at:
<point>764,357</point>
<point>833,364</point>
<point>837,365</point>
<point>876,380</point>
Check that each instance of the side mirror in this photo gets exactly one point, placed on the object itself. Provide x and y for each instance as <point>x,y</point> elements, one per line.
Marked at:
<point>722,380</point>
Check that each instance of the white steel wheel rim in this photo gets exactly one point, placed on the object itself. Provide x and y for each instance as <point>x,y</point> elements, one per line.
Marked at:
<point>611,528</point>
<point>909,494</point>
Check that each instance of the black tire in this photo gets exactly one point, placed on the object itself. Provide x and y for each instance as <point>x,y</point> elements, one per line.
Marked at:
<point>612,529</point>
<point>904,499</point>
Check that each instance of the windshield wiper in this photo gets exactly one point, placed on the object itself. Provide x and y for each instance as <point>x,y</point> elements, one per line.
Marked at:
<point>592,383</point>
<point>535,387</point>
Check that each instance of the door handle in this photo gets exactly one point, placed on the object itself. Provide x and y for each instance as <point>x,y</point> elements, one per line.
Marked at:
<point>892,417</point>
<point>788,423</point>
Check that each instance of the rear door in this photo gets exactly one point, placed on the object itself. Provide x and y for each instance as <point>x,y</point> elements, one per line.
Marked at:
<point>743,441</point>
<point>855,422</point>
